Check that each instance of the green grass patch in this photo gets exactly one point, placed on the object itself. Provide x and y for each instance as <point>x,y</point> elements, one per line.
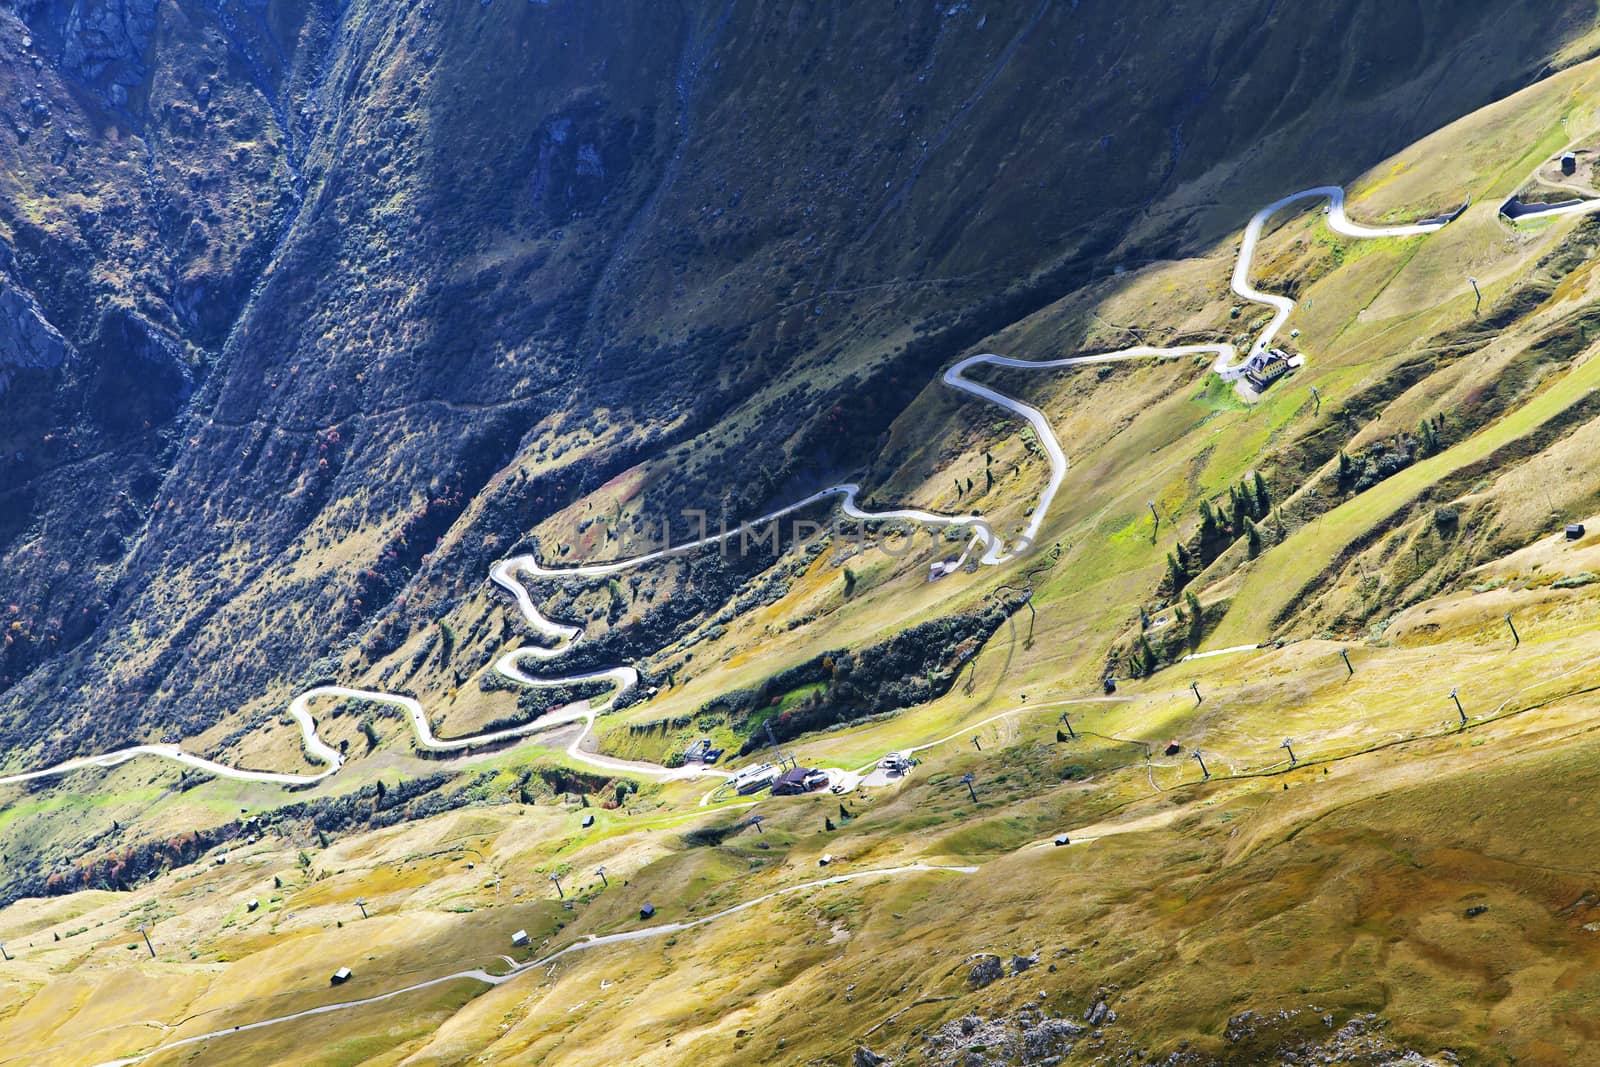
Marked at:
<point>1296,562</point>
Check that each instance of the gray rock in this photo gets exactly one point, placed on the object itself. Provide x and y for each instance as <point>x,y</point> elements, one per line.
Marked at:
<point>986,971</point>
<point>865,1057</point>
<point>100,33</point>
<point>1022,963</point>
<point>1027,1038</point>
<point>104,45</point>
<point>1052,1038</point>
<point>27,340</point>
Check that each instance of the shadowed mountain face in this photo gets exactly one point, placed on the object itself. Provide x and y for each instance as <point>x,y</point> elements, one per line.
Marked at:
<point>286,288</point>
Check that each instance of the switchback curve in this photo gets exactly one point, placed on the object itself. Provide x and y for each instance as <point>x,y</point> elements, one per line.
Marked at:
<point>1228,364</point>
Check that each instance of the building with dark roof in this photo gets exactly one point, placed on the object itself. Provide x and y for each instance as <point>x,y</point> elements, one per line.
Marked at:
<point>1264,368</point>
<point>792,782</point>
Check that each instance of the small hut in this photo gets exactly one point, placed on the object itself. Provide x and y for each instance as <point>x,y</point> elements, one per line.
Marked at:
<point>648,911</point>
<point>520,938</point>
<point>340,977</point>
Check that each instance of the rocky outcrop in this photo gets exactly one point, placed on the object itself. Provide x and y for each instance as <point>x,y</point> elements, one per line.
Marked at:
<point>1282,1037</point>
<point>986,971</point>
<point>109,36</point>
<point>1029,1037</point>
<point>27,340</point>
<point>1099,1013</point>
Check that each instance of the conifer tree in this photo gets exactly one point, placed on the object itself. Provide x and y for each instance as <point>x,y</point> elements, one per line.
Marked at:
<point>1147,655</point>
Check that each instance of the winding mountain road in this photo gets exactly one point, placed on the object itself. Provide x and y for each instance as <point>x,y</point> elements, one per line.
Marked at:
<point>1532,213</point>
<point>506,574</point>
<point>996,550</point>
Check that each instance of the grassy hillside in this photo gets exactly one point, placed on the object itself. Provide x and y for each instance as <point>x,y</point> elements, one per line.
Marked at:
<point>1336,887</point>
<point>719,266</point>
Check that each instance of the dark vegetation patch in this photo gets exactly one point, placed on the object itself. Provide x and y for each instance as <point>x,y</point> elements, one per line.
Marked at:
<point>103,865</point>
<point>913,667</point>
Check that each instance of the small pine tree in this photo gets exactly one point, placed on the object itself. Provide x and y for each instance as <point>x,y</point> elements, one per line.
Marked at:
<point>1252,537</point>
<point>1263,497</point>
<point>1183,557</point>
<point>849,581</point>
<point>844,812</point>
<point>1061,735</point>
<point>827,824</point>
<point>1175,573</point>
<point>1147,655</point>
<point>1427,437</point>
<point>1346,466</point>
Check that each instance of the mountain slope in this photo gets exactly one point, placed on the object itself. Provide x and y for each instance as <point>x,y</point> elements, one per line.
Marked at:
<point>552,242</point>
